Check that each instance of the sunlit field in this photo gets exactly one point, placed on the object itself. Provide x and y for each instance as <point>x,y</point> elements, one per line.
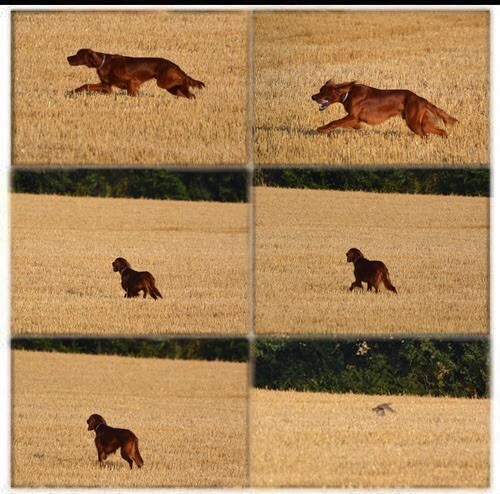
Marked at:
<point>333,440</point>
<point>435,247</point>
<point>62,281</point>
<point>441,56</point>
<point>189,416</point>
<point>53,126</point>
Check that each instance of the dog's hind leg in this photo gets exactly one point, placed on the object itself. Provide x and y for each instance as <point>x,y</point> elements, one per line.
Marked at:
<point>126,456</point>
<point>429,127</point>
<point>174,82</point>
<point>413,114</point>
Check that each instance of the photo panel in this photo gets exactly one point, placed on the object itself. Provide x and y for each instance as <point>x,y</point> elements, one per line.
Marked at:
<point>382,80</point>
<point>183,405</point>
<point>384,413</point>
<point>129,88</point>
<point>129,252</point>
<point>371,252</point>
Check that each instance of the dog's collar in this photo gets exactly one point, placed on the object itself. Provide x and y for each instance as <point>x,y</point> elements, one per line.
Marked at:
<point>123,269</point>
<point>103,60</point>
<point>354,262</point>
<point>345,97</point>
<point>97,426</point>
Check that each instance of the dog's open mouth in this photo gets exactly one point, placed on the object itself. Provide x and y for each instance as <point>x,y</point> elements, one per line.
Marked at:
<point>323,104</point>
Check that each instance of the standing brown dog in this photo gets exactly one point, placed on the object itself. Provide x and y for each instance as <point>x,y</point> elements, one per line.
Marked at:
<point>365,104</point>
<point>109,439</point>
<point>130,72</point>
<point>135,281</point>
<point>371,272</point>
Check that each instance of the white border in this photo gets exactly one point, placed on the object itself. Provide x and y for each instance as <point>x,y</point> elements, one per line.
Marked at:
<point>5,158</point>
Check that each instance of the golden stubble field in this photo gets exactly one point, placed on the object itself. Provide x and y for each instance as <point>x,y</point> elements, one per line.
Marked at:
<point>53,127</point>
<point>62,280</point>
<point>435,247</point>
<point>190,418</point>
<point>442,56</point>
<point>333,440</point>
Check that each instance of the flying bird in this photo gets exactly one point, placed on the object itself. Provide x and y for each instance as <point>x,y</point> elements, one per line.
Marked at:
<point>380,409</point>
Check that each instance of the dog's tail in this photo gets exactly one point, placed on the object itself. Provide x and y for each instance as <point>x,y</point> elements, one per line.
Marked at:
<point>194,83</point>
<point>154,292</point>
<point>136,456</point>
<point>447,119</point>
<point>387,282</point>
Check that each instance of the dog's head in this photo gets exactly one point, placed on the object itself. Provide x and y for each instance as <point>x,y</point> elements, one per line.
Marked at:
<point>331,93</point>
<point>119,264</point>
<point>86,56</point>
<point>353,254</point>
<point>94,420</point>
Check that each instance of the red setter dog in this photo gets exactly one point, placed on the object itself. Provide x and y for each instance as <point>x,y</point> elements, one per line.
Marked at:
<point>365,104</point>
<point>371,272</point>
<point>109,439</point>
<point>130,72</point>
<point>135,281</point>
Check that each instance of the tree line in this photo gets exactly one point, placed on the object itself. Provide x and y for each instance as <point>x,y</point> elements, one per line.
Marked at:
<point>463,182</point>
<point>409,366</point>
<point>232,186</point>
<point>150,184</point>
<point>232,350</point>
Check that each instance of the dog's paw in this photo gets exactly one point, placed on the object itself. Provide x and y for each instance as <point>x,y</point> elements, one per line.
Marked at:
<point>322,129</point>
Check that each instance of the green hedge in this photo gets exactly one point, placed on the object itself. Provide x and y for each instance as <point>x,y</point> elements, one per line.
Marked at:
<point>443,182</point>
<point>419,367</point>
<point>151,184</point>
<point>233,350</point>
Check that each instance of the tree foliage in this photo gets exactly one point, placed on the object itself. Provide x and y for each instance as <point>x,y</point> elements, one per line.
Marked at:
<point>419,367</point>
<point>233,350</point>
<point>151,184</point>
<point>463,182</point>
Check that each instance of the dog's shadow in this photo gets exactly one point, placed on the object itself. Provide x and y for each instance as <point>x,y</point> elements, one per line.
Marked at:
<point>332,134</point>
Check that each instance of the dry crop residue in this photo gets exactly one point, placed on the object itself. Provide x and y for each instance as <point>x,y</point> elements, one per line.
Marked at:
<point>332,440</point>
<point>190,417</point>
<point>63,282</point>
<point>435,247</point>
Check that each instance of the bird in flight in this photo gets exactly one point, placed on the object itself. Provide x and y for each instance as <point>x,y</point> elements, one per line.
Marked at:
<point>380,409</point>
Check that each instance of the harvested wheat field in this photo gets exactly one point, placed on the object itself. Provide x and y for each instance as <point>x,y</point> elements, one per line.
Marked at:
<point>435,247</point>
<point>53,126</point>
<point>442,56</point>
<point>303,439</point>
<point>63,282</point>
<point>189,416</point>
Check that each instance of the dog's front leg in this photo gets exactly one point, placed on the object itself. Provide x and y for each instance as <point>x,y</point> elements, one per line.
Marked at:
<point>347,122</point>
<point>101,456</point>
<point>355,284</point>
<point>103,88</point>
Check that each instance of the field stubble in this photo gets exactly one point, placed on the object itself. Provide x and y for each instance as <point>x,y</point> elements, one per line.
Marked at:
<point>63,283</point>
<point>436,249</point>
<point>190,417</point>
<point>53,127</point>
<point>442,56</point>
<point>332,440</point>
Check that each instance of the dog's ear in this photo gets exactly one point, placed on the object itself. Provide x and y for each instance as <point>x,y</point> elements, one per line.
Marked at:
<point>93,59</point>
<point>345,87</point>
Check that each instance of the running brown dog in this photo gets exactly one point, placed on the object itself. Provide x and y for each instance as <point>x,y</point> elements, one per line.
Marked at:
<point>130,72</point>
<point>135,281</point>
<point>109,439</point>
<point>371,272</point>
<point>365,104</point>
